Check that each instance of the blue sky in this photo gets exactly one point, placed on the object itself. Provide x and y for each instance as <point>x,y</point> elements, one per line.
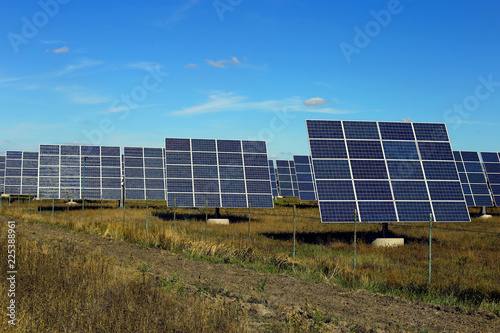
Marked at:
<point>130,73</point>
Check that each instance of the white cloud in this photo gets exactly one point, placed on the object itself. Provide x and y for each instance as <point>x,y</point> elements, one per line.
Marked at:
<point>222,62</point>
<point>219,63</point>
<point>226,101</point>
<point>406,120</point>
<point>191,65</point>
<point>63,49</point>
<point>315,101</point>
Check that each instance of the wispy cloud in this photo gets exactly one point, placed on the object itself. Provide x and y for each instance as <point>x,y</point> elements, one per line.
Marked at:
<point>179,14</point>
<point>315,101</point>
<point>406,120</point>
<point>143,65</point>
<point>192,65</point>
<point>219,101</point>
<point>68,69</point>
<point>11,79</point>
<point>54,41</point>
<point>79,98</point>
<point>222,63</point>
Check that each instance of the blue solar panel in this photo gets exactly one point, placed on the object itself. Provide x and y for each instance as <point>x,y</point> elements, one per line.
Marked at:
<point>21,173</point>
<point>288,186</point>
<point>144,173</point>
<point>388,172</point>
<point>2,173</point>
<point>62,169</point>
<point>223,173</point>
<point>473,179</point>
<point>305,177</point>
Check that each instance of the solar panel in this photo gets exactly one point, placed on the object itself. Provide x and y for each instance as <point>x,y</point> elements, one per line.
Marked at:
<point>67,171</point>
<point>222,173</point>
<point>2,174</point>
<point>287,178</point>
<point>305,177</point>
<point>21,173</point>
<point>491,163</point>
<point>473,179</point>
<point>144,173</point>
<point>272,173</point>
<point>386,171</point>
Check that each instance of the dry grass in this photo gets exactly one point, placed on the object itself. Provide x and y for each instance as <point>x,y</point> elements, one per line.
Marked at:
<point>62,290</point>
<point>465,265</point>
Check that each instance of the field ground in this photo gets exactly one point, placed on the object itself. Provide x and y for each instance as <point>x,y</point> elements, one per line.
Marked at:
<point>257,285</point>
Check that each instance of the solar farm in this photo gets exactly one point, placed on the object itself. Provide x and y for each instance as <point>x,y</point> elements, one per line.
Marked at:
<point>313,216</point>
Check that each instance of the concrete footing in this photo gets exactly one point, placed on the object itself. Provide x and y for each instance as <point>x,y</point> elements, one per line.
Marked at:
<point>218,221</point>
<point>387,242</point>
<point>486,216</point>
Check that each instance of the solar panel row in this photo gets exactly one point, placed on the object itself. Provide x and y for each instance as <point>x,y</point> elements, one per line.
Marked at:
<point>386,171</point>
<point>473,179</point>
<point>21,173</point>
<point>305,177</point>
<point>272,173</point>
<point>287,178</point>
<point>491,164</point>
<point>220,173</point>
<point>67,171</point>
<point>2,174</point>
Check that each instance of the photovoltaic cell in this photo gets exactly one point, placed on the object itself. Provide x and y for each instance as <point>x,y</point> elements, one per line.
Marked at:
<point>305,177</point>
<point>287,178</point>
<point>386,171</point>
<point>491,163</point>
<point>21,173</point>
<point>472,178</point>
<point>220,173</point>
<point>144,173</point>
<point>76,172</point>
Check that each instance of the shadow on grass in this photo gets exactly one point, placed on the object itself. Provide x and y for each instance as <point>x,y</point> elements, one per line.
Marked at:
<point>326,238</point>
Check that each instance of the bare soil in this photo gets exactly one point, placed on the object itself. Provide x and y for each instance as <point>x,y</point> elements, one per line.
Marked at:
<point>268,298</point>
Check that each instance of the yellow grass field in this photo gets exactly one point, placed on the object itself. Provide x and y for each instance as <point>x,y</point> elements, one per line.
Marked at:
<point>465,256</point>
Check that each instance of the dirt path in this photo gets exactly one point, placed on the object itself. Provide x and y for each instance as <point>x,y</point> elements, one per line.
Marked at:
<point>269,296</point>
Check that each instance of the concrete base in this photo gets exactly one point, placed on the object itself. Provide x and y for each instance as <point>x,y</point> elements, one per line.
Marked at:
<point>218,221</point>
<point>486,216</point>
<point>387,242</point>
<point>5,195</point>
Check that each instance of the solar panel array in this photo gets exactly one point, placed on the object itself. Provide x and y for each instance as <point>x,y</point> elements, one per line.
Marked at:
<point>386,171</point>
<point>272,173</point>
<point>222,173</point>
<point>21,172</point>
<point>144,173</point>
<point>67,171</point>
<point>2,173</point>
<point>305,177</point>
<point>473,179</point>
<point>287,178</point>
<point>491,164</point>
